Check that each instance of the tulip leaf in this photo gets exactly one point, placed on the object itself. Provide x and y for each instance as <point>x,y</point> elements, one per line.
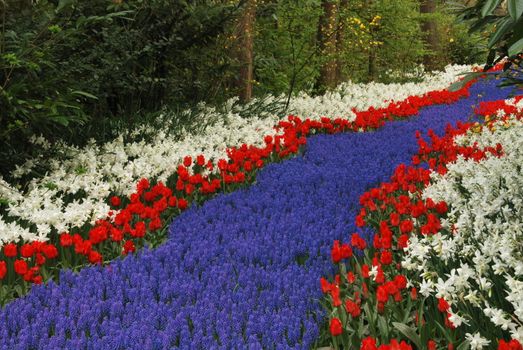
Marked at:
<point>460,84</point>
<point>489,7</point>
<point>409,332</point>
<point>515,8</point>
<point>502,29</point>
<point>516,48</point>
<point>444,331</point>
<point>464,346</point>
<point>382,326</point>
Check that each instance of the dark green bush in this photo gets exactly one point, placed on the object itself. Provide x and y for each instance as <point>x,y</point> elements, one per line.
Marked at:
<point>75,69</point>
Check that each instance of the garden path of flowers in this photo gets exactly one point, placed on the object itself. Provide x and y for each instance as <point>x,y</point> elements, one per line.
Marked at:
<point>241,271</point>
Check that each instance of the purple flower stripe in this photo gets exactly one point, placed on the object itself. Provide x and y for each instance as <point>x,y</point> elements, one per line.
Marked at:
<point>242,271</point>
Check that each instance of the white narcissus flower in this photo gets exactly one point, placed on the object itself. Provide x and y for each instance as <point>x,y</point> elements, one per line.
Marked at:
<point>515,295</point>
<point>517,334</point>
<point>499,318</point>
<point>373,272</point>
<point>426,287</point>
<point>484,284</point>
<point>456,319</point>
<point>445,289</point>
<point>8,230</point>
<point>476,341</point>
<point>473,298</point>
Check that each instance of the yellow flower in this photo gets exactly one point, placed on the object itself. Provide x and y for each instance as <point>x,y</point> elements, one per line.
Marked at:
<point>476,128</point>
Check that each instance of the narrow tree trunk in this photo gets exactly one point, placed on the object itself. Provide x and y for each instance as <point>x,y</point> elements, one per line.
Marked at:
<point>245,41</point>
<point>327,44</point>
<point>430,34</point>
<point>372,71</point>
<point>340,41</point>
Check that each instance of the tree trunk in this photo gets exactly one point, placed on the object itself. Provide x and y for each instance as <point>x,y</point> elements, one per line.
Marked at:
<point>430,34</point>
<point>372,72</point>
<point>245,50</point>
<point>327,44</point>
<point>340,41</point>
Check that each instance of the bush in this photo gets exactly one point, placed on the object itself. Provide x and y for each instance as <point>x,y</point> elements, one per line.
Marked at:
<point>70,63</point>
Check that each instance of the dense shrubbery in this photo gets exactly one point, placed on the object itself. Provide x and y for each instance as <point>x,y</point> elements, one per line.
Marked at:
<point>70,63</point>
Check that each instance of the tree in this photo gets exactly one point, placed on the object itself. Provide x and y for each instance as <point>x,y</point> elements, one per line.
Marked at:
<point>430,33</point>
<point>245,41</point>
<point>340,40</point>
<point>327,43</point>
<point>372,50</point>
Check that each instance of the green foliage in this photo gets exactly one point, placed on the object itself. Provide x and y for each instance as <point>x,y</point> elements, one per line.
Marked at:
<point>28,101</point>
<point>68,64</point>
<point>402,47</point>
<point>504,21</point>
<point>285,46</point>
<point>463,47</point>
<point>381,36</point>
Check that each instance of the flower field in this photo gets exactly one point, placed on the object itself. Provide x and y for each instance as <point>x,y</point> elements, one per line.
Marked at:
<point>430,258</point>
<point>88,209</point>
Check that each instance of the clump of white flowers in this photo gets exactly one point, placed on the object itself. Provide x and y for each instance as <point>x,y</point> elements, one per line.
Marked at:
<point>340,102</point>
<point>477,260</point>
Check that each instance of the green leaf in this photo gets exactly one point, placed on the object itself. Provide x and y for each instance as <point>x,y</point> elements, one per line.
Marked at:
<point>382,326</point>
<point>502,29</point>
<point>444,331</point>
<point>421,311</point>
<point>464,346</point>
<point>370,318</point>
<point>121,14</point>
<point>480,24</point>
<point>18,289</point>
<point>60,119</point>
<point>51,185</point>
<point>85,94</point>
<point>491,57</point>
<point>62,4</point>
<point>409,332</point>
<point>489,7</point>
<point>515,8</point>
<point>516,48</point>
<point>460,84</point>
<point>80,170</point>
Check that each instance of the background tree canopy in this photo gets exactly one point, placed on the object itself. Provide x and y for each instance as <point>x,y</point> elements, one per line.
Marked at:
<point>76,70</point>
